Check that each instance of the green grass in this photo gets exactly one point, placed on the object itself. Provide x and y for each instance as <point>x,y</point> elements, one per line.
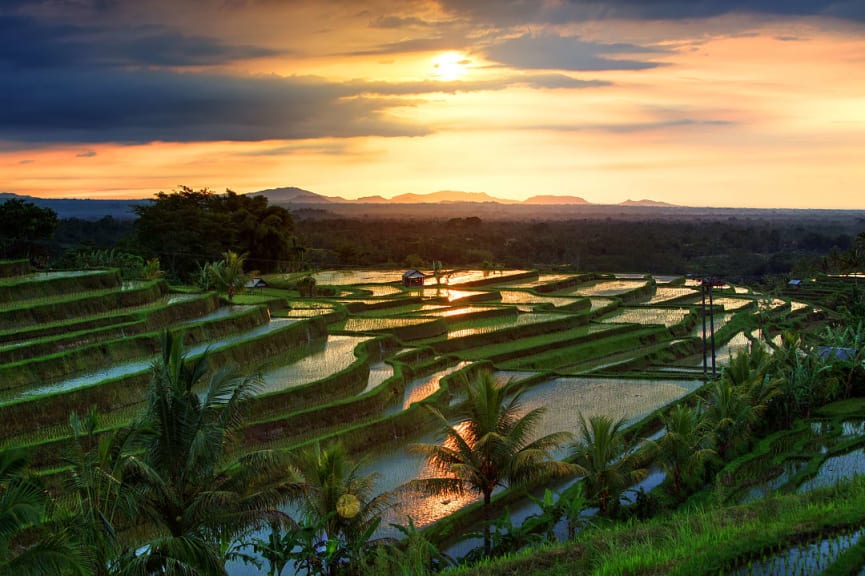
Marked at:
<point>691,541</point>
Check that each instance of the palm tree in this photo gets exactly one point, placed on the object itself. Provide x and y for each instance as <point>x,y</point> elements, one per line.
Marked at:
<point>340,500</point>
<point>490,446</point>
<point>29,544</point>
<point>227,274</point>
<point>683,449</point>
<point>606,459</point>
<point>195,490</point>
<point>100,499</point>
<point>732,417</point>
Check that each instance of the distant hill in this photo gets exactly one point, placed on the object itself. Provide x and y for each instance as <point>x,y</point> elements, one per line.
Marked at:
<point>293,195</point>
<point>644,202</point>
<point>548,199</point>
<point>372,200</point>
<point>83,208</point>
<point>448,196</point>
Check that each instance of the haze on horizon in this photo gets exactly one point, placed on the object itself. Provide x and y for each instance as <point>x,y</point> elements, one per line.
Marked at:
<point>733,103</point>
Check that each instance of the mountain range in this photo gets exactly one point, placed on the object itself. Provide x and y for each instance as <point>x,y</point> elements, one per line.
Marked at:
<point>442,203</point>
<point>294,195</point>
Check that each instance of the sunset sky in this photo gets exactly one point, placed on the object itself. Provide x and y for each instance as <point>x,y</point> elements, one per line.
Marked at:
<point>692,102</point>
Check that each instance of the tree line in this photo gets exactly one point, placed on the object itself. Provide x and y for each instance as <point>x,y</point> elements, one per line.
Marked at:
<point>187,228</point>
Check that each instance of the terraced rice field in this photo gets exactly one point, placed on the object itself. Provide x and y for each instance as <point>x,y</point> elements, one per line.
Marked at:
<point>667,293</point>
<point>664,316</point>
<point>732,303</point>
<point>606,288</point>
<point>320,360</point>
<point>379,324</point>
<point>520,297</point>
<point>494,324</point>
<point>565,347</point>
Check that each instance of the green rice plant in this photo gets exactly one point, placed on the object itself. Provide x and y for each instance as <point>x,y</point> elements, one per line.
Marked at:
<point>639,315</point>
<point>78,305</point>
<point>52,284</point>
<point>531,345</point>
<point>379,324</point>
<point>463,328</point>
<point>622,345</point>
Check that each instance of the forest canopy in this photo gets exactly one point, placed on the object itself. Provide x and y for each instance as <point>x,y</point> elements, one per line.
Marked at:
<point>22,226</point>
<point>187,228</point>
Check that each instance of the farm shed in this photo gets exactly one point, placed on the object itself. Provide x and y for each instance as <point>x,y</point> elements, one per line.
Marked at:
<point>413,278</point>
<point>254,283</point>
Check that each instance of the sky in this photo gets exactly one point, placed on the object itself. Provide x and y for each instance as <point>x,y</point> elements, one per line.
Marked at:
<point>693,102</point>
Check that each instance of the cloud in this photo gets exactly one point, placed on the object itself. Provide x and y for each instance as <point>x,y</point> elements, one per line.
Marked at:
<point>86,154</point>
<point>29,43</point>
<point>73,105</point>
<point>400,23</point>
<point>550,52</point>
<point>430,44</point>
<point>512,12</point>
<point>553,81</point>
<point>661,124</point>
<point>683,9</point>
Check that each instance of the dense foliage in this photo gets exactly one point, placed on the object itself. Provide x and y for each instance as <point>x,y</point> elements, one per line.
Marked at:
<point>187,228</point>
<point>24,227</point>
<point>735,248</point>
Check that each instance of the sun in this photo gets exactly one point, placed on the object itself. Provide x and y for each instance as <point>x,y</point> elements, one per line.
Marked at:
<point>450,66</point>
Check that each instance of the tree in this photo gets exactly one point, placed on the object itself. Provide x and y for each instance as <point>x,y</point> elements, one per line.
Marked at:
<point>340,500</point>
<point>606,459</point>
<point>22,225</point>
<point>227,274</point>
<point>29,544</point>
<point>306,286</point>
<point>99,498</point>
<point>683,449</point>
<point>195,490</point>
<point>189,227</point>
<point>490,446</point>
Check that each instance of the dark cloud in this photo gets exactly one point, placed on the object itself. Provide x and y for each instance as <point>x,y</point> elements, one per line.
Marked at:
<point>679,9</point>
<point>153,105</point>
<point>135,106</point>
<point>549,52</point>
<point>86,154</point>
<point>29,43</point>
<point>433,44</point>
<point>510,12</point>
<point>399,23</point>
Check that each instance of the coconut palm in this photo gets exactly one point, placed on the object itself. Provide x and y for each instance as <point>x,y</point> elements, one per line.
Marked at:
<point>490,446</point>
<point>99,499</point>
<point>684,448</point>
<point>340,500</point>
<point>228,274</point>
<point>195,489</point>
<point>607,461</point>
<point>29,544</point>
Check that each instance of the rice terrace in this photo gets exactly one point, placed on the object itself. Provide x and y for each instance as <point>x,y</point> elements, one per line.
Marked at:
<point>668,457</point>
